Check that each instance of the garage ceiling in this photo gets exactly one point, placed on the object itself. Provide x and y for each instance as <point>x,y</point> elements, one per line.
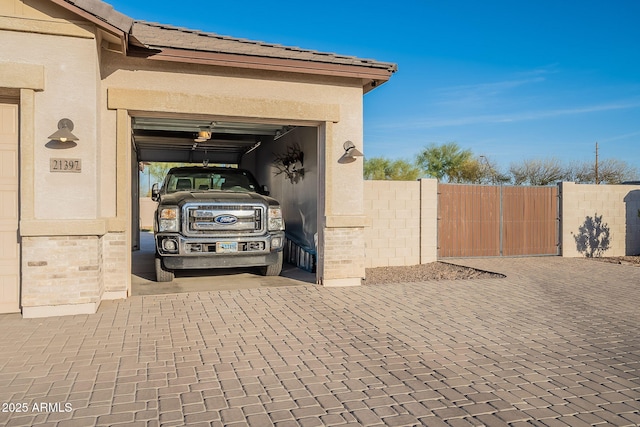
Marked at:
<point>174,139</point>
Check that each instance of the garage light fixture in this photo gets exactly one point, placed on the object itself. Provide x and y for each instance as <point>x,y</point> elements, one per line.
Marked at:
<point>203,135</point>
<point>350,152</point>
<point>63,134</point>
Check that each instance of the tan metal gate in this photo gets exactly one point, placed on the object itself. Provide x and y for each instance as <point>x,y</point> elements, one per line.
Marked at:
<point>487,220</point>
<point>9,244</point>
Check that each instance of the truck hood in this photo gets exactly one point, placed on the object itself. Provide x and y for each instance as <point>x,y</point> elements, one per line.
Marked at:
<point>181,197</point>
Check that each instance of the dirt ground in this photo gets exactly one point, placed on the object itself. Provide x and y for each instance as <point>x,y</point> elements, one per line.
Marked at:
<point>444,271</point>
<point>430,271</point>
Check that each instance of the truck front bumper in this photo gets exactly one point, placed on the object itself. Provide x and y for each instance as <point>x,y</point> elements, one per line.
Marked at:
<point>178,252</point>
<point>219,261</point>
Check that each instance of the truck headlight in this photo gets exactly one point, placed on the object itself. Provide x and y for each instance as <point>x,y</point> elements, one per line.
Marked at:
<point>275,221</point>
<point>168,219</point>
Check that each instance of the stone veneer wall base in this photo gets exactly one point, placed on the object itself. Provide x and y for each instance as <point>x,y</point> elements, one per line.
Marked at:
<point>350,281</point>
<point>111,295</point>
<point>59,310</point>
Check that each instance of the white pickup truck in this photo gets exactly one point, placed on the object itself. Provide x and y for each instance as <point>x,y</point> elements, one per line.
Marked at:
<point>212,217</point>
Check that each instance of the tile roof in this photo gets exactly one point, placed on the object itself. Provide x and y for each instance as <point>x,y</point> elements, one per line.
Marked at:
<point>158,36</point>
<point>105,12</point>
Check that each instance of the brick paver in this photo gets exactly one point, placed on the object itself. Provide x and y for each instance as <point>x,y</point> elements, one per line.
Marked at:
<point>554,343</point>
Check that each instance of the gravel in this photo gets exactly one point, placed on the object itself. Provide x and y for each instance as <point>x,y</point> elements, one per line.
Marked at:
<point>422,272</point>
<point>444,271</point>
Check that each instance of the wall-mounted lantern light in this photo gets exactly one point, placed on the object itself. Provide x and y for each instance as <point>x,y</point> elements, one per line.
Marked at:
<point>63,134</point>
<point>350,152</point>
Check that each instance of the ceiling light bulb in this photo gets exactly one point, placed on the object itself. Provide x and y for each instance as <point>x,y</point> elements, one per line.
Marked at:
<point>203,134</point>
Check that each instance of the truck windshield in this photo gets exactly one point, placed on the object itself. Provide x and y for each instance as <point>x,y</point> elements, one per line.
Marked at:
<point>232,180</point>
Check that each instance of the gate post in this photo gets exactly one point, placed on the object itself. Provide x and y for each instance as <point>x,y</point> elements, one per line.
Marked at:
<point>428,220</point>
<point>501,225</point>
<point>559,222</point>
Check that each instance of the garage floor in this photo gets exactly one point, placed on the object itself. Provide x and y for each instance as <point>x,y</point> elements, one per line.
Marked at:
<point>143,276</point>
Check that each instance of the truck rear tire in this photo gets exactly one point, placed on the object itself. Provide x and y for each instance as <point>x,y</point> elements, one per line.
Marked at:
<point>273,269</point>
<point>162,274</point>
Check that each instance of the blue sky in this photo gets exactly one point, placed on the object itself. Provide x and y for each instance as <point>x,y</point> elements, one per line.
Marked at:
<point>511,80</point>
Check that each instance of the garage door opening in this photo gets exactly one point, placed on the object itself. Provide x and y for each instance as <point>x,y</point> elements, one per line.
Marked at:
<point>284,157</point>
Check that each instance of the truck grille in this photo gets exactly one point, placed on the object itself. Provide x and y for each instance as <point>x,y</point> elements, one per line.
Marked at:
<point>212,219</point>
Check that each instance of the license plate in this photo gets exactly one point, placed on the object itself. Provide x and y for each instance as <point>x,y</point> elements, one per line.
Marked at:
<point>226,247</point>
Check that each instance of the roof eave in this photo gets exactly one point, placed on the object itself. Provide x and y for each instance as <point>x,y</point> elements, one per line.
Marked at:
<point>371,76</point>
<point>122,35</point>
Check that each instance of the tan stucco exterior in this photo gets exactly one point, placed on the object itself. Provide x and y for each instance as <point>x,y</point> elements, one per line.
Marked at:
<point>76,226</point>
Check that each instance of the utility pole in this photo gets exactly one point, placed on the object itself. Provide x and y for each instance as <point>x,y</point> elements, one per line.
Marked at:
<point>597,178</point>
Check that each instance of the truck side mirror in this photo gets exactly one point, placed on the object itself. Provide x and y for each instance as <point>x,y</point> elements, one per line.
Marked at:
<point>155,193</point>
<point>265,190</point>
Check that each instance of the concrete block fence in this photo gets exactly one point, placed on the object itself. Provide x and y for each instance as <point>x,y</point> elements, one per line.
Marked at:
<point>588,211</point>
<point>402,221</point>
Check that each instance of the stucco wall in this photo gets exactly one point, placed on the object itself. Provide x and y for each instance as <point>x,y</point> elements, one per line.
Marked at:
<point>70,92</point>
<point>402,222</point>
<point>598,208</point>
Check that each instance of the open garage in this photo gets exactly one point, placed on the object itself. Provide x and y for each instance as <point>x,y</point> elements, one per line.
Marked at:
<point>282,156</point>
<point>132,91</point>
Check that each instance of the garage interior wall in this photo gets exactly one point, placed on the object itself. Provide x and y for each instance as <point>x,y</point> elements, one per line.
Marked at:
<point>298,193</point>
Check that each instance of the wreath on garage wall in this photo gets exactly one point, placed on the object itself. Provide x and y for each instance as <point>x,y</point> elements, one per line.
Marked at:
<point>290,163</point>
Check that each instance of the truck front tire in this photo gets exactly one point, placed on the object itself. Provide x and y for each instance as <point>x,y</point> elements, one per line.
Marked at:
<point>162,274</point>
<point>273,269</point>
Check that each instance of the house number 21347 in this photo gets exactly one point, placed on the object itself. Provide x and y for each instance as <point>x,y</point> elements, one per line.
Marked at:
<point>65,165</point>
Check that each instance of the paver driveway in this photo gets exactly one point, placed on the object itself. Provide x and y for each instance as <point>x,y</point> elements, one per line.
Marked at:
<point>556,342</point>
